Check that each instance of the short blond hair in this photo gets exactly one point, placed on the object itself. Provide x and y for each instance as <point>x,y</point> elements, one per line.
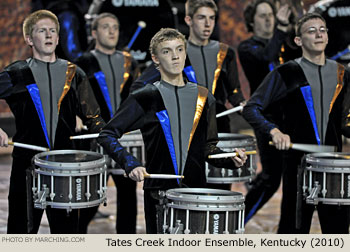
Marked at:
<point>165,34</point>
<point>32,19</point>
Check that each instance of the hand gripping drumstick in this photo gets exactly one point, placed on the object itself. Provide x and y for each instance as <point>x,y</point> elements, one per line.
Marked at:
<point>141,25</point>
<point>28,146</point>
<point>230,154</point>
<point>310,147</point>
<point>229,111</point>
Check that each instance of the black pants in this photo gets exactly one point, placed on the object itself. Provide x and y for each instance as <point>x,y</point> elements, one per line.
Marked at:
<point>267,181</point>
<point>23,217</point>
<point>126,207</point>
<point>333,219</point>
<point>153,211</point>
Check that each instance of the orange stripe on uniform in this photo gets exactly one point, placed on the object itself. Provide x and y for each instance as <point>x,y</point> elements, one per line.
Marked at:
<point>201,99</point>
<point>71,69</point>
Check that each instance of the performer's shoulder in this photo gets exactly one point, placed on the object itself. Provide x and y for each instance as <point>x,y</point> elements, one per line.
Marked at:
<point>17,65</point>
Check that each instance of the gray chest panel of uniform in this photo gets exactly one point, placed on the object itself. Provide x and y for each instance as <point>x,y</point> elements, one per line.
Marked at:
<point>113,68</point>
<point>323,82</point>
<point>204,62</point>
<point>50,79</point>
<point>180,103</point>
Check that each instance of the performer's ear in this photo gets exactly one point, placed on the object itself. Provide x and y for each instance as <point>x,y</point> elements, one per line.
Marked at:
<point>28,39</point>
<point>297,41</point>
<point>93,34</point>
<point>155,59</point>
<point>188,20</point>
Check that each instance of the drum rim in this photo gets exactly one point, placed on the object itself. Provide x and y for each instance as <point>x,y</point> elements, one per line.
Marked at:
<point>316,159</point>
<point>69,165</point>
<point>233,135</point>
<point>71,205</point>
<point>177,194</point>
<point>329,201</point>
<point>228,180</point>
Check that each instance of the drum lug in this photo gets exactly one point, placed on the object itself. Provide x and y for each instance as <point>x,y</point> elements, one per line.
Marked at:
<point>165,228</point>
<point>34,190</point>
<point>313,197</point>
<point>239,171</point>
<point>179,227</point>
<point>100,192</point>
<point>223,172</point>
<point>88,195</point>
<point>40,201</point>
<point>52,196</point>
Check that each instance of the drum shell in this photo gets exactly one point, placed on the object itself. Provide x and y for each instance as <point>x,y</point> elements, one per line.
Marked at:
<point>330,173</point>
<point>210,211</point>
<point>228,142</point>
<point>69,184</point>
<point>79,187</point>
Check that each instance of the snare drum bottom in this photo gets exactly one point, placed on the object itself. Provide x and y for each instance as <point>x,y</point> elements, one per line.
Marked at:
<point>181,221</point>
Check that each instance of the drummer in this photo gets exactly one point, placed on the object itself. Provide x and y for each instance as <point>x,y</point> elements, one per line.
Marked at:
<point>209,63</point>
<point>106,67</point>
<point>45,94</point>
<point>178,125</point>
<point>312,94</point>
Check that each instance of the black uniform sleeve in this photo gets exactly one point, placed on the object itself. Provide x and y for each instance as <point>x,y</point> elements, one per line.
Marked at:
<point>272,89</point>
<point>89,109</point>
<point>5,85</point>
<point>231,80</point>
<point>129,117</point>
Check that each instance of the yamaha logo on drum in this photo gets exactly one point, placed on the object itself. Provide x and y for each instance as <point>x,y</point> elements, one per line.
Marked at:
<point>148,3</point>
<point>78,187</point>
<point>216,223</point>
<point>339,12</point>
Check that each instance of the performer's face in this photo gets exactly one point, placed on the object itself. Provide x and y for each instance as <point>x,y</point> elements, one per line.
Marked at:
<point>44,39</point>
<point>264,21</point>
<point>107,33</point>
<point>201,25</point>
<point>170,56</point>
<point>314,37</point>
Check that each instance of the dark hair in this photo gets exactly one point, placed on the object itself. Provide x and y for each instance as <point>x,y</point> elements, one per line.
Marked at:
<point>250,10</point>
<point>94,24</point>
<point>192,6</point>
<point>306,17</point>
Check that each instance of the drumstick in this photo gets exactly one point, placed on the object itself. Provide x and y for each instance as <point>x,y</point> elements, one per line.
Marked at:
<point>310,147</point>
<point>162,176</point>
<point>229,111</point>
<point>230,154</point>
<point>28,146</point>
<point>140,26</point>
<point>86,136</point>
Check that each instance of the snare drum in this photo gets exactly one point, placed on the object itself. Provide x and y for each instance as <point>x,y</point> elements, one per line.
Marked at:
<point>203,211</point>
<point>228,142</point>
<point>69,179</point>
<point>326,178</point>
